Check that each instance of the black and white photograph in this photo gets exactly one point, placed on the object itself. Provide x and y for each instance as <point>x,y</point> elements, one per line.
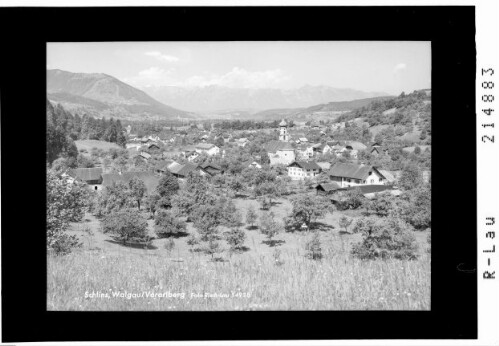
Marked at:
<point>239,175</point>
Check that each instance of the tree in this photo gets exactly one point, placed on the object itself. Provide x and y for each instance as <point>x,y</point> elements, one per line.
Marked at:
<point>235,238</point>
<point>66,202</point>
<point>167,224</point>
<point>415,207</point>
<point>381,205</point>
<point>114,198</point>
<point>167,185</point>
<point>137,189</point>
<point>269,227</point>
<point>313,248</point>
<point>308,208</point>
<point>251,216</point>
<point>345,222</point>
<point>384,238</point>
<point>236,184</point>
<point>126,225</point>
<point>353,198</point>
<point>411,176</point>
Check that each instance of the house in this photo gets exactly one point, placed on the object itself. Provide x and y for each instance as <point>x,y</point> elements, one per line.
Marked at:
<point>390,177</point>
<point>322,148</point>
<point>300,170</point>
<point>280,152</point>
<point>211,168</point>
<point>242,142</point>
<point>192,155</point>
<point>145,155</point>
<point>182,171</point>
<point>379,150</point>
<point>150,180</point>
<point>324,165</point>
<point>153,146</point>
<point>253,164</point>
<point>133,145</point>
<point>355,145</point>
<point>163,166</point>
<point>208,148</point>
<point>306,151</point>
<point>91,176</point>
<point>204,138</point>
<point>349,174</point>
<point>327,188</point>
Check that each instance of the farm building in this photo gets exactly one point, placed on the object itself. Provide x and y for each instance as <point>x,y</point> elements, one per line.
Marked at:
<point>327,188</point>
<point>211,168</point>
<point>280,152</point>
<point>349,174</point>
<point>182,171</point>
<point>163,166</point>
<point>300,170</point>
<point>208,148</point>
<point>91,176</point>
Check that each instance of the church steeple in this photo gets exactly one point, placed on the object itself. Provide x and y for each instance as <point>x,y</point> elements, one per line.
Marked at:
<point>283,131</point>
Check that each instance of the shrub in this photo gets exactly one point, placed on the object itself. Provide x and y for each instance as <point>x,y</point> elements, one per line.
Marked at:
<point>384,238</point>
<point>308,208</point>
<point>381,205</point>
<point>345,222</point>
<point>269,226</point>
<point>169,245</point>
<point>168,224</point>
<point>235,238</point>
<point>125,225</point>
<point>353,199</point>
<point>66,202</point>
<point>313,247</point>
<point>251,216</point>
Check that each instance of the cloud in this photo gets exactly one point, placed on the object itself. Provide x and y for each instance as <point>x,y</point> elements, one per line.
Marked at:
<point>399,67</point>
<point>162,57</point>
<point>241,78</point>
<point>151,76</point>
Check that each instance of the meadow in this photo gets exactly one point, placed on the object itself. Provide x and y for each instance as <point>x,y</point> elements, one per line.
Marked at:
<point>260,278</point>
<point>89,144</point>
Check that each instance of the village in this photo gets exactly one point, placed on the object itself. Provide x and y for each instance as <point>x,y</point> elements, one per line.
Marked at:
<point>234,192</point>
<point>292,153</point>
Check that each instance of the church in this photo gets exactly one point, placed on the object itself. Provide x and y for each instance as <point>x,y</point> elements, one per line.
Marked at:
<point>281,151</point>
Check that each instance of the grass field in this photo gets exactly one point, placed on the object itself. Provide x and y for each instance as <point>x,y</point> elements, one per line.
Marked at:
<point>88,144</point>
<point>252,280</point>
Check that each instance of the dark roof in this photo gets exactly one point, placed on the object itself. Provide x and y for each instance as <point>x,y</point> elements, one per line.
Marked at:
<point>328,186</point>
<point>163,165</point>
<point>350,170</point>
<point>185,169</point>
<point>212,165</point>
<point>274,146</point>
<point>149,179</point>
<point>86,174</point>
<point>371,188</point>
<point>306,164</point>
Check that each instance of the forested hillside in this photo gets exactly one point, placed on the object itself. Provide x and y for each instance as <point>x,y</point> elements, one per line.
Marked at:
<point>63,129</point>
<point>404,113</point>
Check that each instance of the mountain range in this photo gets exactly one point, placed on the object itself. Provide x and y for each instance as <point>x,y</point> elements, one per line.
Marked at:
<point>214,98</point>
<point>99,94</point>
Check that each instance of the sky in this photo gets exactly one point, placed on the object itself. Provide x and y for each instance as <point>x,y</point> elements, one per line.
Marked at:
<point>372,66</point>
